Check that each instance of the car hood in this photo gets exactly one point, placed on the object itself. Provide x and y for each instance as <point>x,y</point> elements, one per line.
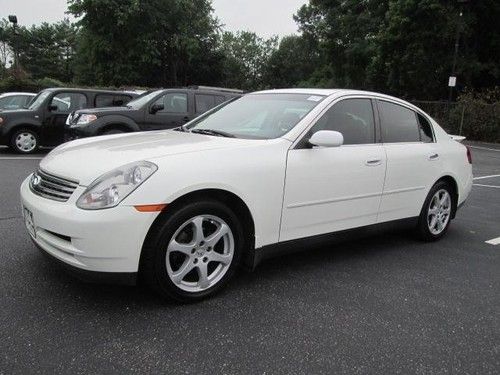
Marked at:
<point>86,159</point>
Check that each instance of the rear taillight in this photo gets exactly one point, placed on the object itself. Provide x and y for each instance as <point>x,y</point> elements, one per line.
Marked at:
<point>469,154</point>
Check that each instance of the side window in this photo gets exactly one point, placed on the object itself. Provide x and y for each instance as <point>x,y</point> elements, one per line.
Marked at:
<point>173,103</point>
<point>103,100</point>
<point>119,100</point>
<point>399,124</point>
<point>351,117</point>
<point>203,103</point>
<point>425,129</point>
<point>68,102</point>
<point>219,99</point>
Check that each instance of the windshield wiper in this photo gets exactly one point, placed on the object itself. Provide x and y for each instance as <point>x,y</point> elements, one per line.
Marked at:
<point>213,132</point>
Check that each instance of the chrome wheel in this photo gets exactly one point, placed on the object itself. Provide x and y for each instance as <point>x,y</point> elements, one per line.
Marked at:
<point>199,253</point>
<point>438,214</point>
<point>25,141</point>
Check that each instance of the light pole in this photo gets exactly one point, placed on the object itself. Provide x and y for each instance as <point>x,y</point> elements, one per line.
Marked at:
<point>13,20</point>
<point>452,81</point>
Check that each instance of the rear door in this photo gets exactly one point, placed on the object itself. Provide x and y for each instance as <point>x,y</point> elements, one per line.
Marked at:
<point>55,114</point>
<point>175,112</point>
<point>413,160</point>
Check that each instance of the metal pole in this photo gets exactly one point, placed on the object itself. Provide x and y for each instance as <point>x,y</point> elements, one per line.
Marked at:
<point>455,54</point>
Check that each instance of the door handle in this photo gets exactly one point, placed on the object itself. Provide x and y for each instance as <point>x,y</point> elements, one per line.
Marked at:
<point>434,157</point>
<point>186,119</point>
<point>373,162</point>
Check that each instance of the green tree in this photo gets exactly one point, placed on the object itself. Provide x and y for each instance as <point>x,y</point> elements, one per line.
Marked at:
<point>246,58</point>
<point>48,50</point>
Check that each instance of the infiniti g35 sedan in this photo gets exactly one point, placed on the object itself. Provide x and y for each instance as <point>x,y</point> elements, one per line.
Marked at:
<point>183,209</point>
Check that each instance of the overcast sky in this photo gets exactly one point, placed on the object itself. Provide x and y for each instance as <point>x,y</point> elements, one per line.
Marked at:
<point>265,17</point>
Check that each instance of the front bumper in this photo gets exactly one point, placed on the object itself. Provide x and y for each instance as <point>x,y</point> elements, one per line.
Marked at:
<point>108,240</point>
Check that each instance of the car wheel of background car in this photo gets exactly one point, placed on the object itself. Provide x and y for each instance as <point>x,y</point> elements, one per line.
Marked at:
<point>436,213</point>
<point>194,251</point>
<point>24,141</point>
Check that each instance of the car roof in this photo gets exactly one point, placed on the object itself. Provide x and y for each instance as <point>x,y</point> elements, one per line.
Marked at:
<point>17,93</point>
<point>73,89</point>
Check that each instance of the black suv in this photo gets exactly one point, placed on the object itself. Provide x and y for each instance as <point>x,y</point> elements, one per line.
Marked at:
<point>42,122</point>
<point>154,110</point>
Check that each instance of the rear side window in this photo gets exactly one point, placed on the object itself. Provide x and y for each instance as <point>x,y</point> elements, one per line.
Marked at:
<point>425,129</point>
<point>219,99</point>
<point>351,117</point>
<point>399,124</point>
<point>108,100</point>
<point>204,102</point>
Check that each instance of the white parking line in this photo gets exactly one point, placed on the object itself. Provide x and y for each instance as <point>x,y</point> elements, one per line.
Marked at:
<point>483,177</point>
<point>493,241</point>
<point>490,186</point>
<point>485,148</point>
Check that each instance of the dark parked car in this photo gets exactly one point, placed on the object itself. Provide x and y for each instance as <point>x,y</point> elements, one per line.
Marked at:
<point>154,110</point>
<point>42,123</point>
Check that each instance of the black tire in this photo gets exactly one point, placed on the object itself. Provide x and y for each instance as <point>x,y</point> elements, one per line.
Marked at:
<point>153,268</point>
<point>423,228</point>
<point>23,148</point>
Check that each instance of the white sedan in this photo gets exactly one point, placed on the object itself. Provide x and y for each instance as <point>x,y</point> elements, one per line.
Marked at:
<point>184,208</point>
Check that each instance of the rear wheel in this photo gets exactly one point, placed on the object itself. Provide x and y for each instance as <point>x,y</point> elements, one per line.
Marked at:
<point>194,252</point>
<point>436,213</point>
<point>24,141</point>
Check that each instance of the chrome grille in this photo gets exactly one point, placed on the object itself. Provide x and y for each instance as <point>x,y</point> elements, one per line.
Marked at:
<point>52,187</point>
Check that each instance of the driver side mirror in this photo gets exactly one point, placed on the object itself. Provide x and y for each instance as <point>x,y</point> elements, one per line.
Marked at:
<point>156,107</point>
<point>327,138</point>
<point>53,107</point>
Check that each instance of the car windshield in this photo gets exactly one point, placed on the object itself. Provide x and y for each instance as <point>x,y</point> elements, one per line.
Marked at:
<point>140,101</point>
<point>257,116</point>
<point>38,100</point>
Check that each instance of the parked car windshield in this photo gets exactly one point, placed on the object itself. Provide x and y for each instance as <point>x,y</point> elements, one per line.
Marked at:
<point>38,100</point>
<point>138,102</point>
<point>259,116</point>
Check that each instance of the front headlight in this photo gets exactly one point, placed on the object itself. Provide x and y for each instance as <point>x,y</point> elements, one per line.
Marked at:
<point>85,119</point>
<point>1,120</point>
<point>113,187</point>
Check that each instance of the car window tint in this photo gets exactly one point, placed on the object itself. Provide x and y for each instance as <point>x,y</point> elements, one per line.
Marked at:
<point>399,124</point>
<point>103,100</point>
<point>351,117</point>
<point>173,103</point>
<point>204,102</point>
<point>219,99</point>
<point>119,100</point>
<point>69,102</point>
<point>13,102</point>
<point>425,129</point>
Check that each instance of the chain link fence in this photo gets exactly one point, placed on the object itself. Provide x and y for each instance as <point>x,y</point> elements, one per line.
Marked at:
<point>472,119</point>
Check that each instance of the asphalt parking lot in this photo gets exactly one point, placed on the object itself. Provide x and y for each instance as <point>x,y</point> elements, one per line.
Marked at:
<point>385,303</point>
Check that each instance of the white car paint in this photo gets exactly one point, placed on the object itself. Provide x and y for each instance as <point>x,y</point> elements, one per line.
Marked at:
<point>291,193</point>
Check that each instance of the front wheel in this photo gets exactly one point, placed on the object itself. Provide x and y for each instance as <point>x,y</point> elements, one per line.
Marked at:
<point>194,252</point>
<point>24,141</point>
<point>436,213</point>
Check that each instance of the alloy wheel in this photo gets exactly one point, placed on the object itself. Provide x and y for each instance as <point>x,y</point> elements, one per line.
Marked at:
<point>199,253</point>
<point>439,211</point>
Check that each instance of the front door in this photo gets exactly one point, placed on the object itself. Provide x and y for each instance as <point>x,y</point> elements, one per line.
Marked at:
<point>56,113</point>
<point>175,112</point>
<point>336,188</point>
